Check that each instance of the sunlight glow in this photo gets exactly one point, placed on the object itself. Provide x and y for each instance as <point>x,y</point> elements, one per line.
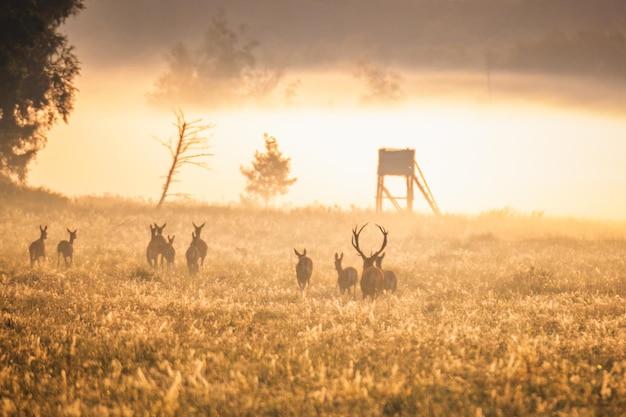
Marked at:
<point>476,155</point>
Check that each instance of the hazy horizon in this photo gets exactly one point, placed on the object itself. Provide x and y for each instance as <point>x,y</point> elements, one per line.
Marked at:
<point>534,138</point>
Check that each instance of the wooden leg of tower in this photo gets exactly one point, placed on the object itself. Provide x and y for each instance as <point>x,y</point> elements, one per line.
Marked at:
<point>379,194</point>
<point>409,194</point>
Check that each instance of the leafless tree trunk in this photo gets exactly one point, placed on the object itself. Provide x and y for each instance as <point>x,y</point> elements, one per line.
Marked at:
<point>188,149</point>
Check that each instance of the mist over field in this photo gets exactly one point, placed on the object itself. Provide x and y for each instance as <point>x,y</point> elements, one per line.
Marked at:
<point>559,38</point>
<point>509,303</point>
<point>508,103</point>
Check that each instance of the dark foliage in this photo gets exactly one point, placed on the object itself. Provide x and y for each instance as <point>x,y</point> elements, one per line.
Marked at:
<point>37,69</point>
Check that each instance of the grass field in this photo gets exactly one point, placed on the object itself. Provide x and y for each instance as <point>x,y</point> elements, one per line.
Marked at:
<point>496,315</point>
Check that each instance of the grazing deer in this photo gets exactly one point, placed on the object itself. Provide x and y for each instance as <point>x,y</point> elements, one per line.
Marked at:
<point>37,249</point>
<point>192,255</point>
<point>156,246</point>
<point>391,281</point>
<point>201,244</point>
<point>372,277</point>
<point>346,277</point>
<point>66,248</point>
<point>169,253</point>
<point>304,269</point>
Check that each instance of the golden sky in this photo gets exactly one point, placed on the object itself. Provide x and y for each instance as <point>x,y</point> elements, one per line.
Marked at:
<point>476,155</point>
<point>512,141</point>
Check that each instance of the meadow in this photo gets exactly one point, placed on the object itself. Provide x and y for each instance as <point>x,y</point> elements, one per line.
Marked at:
<point>500,314</point>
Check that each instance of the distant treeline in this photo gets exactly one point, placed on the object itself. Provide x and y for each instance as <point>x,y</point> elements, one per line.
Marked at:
<point>585,37</point>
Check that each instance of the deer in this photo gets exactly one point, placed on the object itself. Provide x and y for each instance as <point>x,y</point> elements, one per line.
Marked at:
<point>37,249</point>
<point>192,255</point>
<point>156,245</point>
<point>66,248</point>
<point>200,244</point>
<point>304,269</point>
<point>391,281</point>
<point>169,253</point>
<point>346,277</point>
<point>372,277</point>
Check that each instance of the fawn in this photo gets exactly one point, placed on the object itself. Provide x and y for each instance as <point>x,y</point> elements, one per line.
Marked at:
<point>200,244</point>
<point>304,269</point>
<point>66,248</point>
<point>193,255</point>
<point>372,278</point>
<point>37,249</point>
<point>169,253</point>
<point>390,279</point>
<point>156,246</point>
<point>346,277</point>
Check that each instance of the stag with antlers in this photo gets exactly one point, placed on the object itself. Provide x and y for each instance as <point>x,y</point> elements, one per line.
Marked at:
<point>372,277</point>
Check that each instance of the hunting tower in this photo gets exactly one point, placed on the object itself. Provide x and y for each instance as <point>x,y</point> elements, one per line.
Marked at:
<point>401,162</point>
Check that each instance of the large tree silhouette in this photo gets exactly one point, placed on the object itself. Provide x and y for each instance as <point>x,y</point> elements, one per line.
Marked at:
<point>37,70</point>
<point>384,86</point>
<point>221,70</point>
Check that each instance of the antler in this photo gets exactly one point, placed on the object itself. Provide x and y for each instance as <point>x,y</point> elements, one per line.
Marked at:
<point>355,239</point>
<point>382,248</point>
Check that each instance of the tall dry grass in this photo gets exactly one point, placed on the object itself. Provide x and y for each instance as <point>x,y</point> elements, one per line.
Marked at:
<point>499,314</point>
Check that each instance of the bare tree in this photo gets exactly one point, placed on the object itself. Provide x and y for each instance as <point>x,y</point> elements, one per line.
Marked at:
<point>188,149</point>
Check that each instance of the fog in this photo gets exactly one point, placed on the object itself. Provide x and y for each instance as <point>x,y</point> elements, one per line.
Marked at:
<point>507,103</point>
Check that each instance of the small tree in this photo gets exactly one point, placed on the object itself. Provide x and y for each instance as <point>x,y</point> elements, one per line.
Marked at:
<point>187,150</point>
<point>268,176</point>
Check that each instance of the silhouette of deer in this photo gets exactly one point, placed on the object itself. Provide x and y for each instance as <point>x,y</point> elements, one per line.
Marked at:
<point>156,246</point>
<point>66,248</point>
<point>37,249</point>
<point>346,277</point>
<point>372,277</point>
<point>169,253</point>
<point>304,269</point>
<point>200,244</point>
<point>192,255</point>
<point>391,281</point>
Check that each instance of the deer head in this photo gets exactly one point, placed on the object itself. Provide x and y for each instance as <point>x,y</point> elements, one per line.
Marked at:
<point>44,232</point>
<point>72,234</point>
<point>159,229</point>
<point>368,261</point>
<point>198,229</point>
<point>338,259</point>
